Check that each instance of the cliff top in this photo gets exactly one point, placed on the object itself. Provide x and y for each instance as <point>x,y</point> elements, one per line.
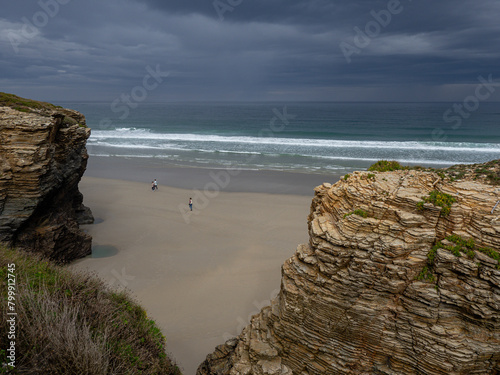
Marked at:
<point>29,106</point>
<point>25,105</point>
<point>487,173</point>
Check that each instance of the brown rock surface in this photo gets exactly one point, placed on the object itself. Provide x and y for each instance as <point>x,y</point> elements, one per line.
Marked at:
<point>42,158</point>
<point>351,301</point>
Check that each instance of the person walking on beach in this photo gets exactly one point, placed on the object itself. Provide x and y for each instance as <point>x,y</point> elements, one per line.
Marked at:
<point>155,184</point>
<point>191,204</point>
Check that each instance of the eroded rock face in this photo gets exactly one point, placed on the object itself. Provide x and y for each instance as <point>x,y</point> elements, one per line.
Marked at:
<point>351,300</point>
<point>42,158</point>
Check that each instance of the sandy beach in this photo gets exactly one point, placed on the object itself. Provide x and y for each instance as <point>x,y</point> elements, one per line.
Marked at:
<point>200,275</point>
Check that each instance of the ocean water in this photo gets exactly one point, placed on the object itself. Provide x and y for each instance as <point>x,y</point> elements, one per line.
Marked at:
<point>305,137</point>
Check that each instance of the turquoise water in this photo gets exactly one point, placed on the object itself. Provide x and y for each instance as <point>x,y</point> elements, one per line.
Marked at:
<point>313,137</point>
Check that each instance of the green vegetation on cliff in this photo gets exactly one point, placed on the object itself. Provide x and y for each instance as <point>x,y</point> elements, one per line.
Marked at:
<point>457,246</point>
<point>488,172</point>
<point>386,166</point>
<point>439,199</point>
<point>358,212</point>
<point>69,117</point>
<point>72,323</point>
<point>24,105</point>
<point>469,248</point>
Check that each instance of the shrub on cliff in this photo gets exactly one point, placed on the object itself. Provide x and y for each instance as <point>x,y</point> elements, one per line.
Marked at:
<point>72,323</point>
<point>386,166</point>
<point>358,212</point>
<point>440,199</point>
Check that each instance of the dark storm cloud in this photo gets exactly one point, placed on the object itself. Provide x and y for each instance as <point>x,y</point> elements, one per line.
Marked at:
<point>249,50</point>
<point>295,12</point>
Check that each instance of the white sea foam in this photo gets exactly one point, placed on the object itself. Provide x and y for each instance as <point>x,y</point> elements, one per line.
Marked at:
<point>128,138</point>
<point>282,153</point>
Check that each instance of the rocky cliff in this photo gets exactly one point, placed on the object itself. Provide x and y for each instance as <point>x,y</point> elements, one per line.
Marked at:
<point>401,276</point>
<point>42,158</point>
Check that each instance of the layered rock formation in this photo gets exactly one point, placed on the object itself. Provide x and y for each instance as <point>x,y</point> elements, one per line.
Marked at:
<point>374,292</point>
<point>42,158</point>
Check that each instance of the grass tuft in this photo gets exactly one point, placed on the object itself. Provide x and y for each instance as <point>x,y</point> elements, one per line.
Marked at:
<point>426,275</point>
<point>438,199</point>
<point>386,166</point>
<point>358,212</point>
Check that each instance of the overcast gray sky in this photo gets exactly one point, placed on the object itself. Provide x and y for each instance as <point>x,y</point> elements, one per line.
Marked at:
<point>260,50</point>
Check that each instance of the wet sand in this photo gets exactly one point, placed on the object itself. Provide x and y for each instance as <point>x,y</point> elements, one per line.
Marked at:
<point>248,181</point>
